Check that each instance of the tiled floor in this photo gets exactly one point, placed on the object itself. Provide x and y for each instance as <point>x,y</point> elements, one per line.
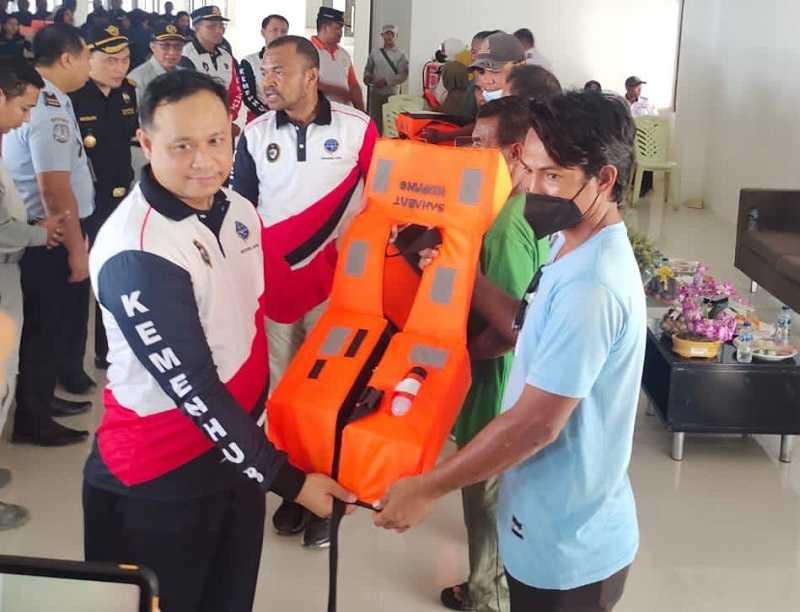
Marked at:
<point>720,531</point>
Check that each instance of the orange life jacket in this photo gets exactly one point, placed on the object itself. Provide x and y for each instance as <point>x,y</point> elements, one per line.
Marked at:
<point>331,411</point>
<point>410,125</point>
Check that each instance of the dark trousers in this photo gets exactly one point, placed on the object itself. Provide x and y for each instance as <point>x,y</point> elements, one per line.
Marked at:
<point>205,552</point>
<point>103,208</point>
<point>598,597</point>
<point>47,298</point>
<point>76,321</point>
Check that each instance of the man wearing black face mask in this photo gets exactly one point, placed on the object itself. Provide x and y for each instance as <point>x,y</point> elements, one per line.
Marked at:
<point>566,514</point>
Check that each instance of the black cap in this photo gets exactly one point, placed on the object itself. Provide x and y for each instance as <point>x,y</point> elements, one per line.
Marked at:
<point>634,81</point>
<point>166,30</point>
<point>108,39</point>
<point>331,14</point>
<point>208,12</point>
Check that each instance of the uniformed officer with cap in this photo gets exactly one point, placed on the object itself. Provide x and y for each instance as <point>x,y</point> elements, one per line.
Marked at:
<point>166,46</point>
<point>48,163</point>
<point>206,52</point>
<point>108,119</point>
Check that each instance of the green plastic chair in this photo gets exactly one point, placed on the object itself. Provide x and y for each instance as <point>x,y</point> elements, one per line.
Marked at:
<point>396,105</point>
<point>652,147</point>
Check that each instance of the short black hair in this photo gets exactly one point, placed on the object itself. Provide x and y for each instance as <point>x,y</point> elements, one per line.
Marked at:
<point>302,46</point>
<point>525,36</point>
<point>484,34</point>
<point>589,131</point>
<point>16,73</point>
<point>175,86</point>
<point>58,16</point>
<point>532,82</point>
<point>269,18</point>
<point>51,42</point>
<point>594,86</point>
<point>513,121</point>
<point>180,14</point>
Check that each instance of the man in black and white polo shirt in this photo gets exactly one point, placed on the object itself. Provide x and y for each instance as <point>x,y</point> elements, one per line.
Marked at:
<point>303,164</point>
<point>206,53</point>
<point>179,469</point>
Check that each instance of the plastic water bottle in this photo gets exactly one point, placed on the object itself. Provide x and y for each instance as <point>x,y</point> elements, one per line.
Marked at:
<point>406,391</point>
<point>752,220</point>
<point>783,327</point>
<point>744,345</point>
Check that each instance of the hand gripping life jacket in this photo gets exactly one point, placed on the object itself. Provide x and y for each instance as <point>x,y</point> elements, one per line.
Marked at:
<point>331,411</point>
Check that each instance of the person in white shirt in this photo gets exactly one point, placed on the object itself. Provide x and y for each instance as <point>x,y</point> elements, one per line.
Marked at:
<point>386,70</point>
<point>337,79</point>
<point>272,28</point>
<point>532,55</point>
<point>640,106</point>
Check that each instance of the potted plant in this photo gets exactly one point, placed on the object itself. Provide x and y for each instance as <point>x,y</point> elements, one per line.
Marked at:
<point>706,321</point>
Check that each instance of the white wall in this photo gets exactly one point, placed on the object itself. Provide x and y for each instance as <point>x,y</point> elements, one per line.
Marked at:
<point>736,121</point>
<point>585,39</point>
<point>244,30</point>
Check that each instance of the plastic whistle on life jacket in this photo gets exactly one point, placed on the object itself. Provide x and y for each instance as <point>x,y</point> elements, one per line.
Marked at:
<point>407,390</point>
<point>331,412</point>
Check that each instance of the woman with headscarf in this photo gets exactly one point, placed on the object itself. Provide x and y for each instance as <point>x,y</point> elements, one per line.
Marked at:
<point>455,79</point>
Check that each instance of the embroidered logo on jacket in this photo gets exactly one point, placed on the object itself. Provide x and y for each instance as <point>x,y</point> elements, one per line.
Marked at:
<point>242,231</point>
<point>331,145</point>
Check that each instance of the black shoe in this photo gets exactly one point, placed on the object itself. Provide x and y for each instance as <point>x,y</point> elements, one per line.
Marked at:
<point>100,363</point>
<point>79,383</point>
<point>317,533</point>
<point>457,598</point>
<point>12,516</point>
<point>49,434</point>
<point>290,518</point>
<point>65,408</point>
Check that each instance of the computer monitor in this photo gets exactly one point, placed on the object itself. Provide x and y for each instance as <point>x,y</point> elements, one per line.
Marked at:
<point>37,585</point>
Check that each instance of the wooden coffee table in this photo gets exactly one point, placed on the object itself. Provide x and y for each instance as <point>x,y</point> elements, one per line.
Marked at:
<point>721,396</point>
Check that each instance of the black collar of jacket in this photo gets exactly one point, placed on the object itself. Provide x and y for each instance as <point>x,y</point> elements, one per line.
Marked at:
<point>201,49</point>
<point>323,114</point>
<point>167,203</point>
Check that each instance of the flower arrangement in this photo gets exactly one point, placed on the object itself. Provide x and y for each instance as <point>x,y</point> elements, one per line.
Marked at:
<point>645,252</point>
<point>703,304</point>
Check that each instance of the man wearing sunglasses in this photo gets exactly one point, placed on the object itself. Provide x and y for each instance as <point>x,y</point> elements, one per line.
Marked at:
<point>566,513</point>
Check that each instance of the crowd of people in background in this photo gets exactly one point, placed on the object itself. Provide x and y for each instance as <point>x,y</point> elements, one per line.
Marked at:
<point>72,102</point>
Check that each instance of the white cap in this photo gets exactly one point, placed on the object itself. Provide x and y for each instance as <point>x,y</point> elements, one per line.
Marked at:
<point>452,47</point>
<point>389,28</point>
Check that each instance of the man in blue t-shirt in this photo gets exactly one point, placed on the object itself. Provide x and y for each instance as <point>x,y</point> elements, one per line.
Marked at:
<point>566,515</point>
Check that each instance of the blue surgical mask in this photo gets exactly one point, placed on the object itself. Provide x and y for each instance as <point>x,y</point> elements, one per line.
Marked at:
<point>493,95</point>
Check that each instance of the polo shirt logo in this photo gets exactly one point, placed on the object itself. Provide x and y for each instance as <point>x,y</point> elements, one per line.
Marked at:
<point>242,231</point>
<point>206,67</point>
<point>203,253</point>
<point>331,145</point>
<point>273,152</point>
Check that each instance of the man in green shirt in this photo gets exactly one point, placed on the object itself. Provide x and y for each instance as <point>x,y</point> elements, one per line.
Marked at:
<point>510,257</point>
